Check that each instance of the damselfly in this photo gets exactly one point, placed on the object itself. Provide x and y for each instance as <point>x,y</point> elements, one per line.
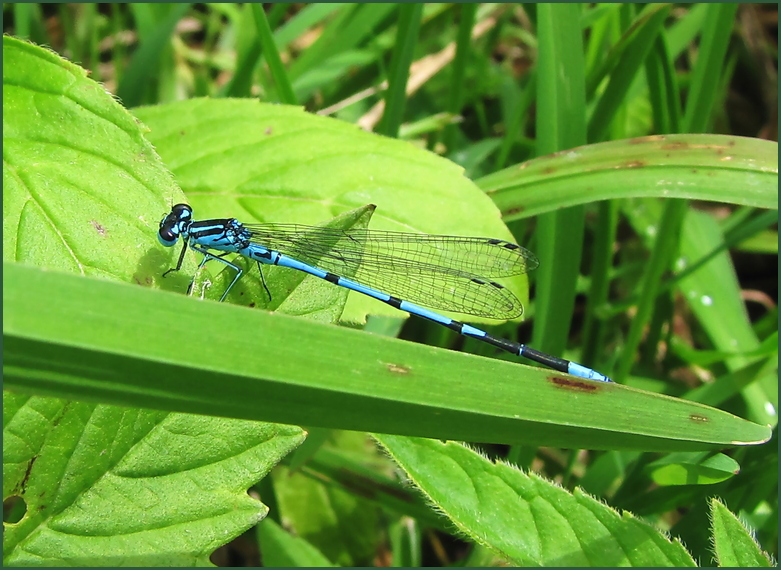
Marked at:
<point>447,273</point>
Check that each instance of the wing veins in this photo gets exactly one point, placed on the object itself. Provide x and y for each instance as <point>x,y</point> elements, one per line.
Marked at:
<point>376,259</point>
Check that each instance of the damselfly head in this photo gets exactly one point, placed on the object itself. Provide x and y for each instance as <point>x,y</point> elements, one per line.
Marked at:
<point>172,225</point>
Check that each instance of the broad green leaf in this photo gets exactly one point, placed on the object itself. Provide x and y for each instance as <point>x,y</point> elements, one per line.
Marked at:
<point>692,469</point>
<point>109,486</point>
<point>526,519</point>
<point>699,167</point>
<point>83,190</point>
<point>84,193</point>
<point>733,543</point>
<point>178,353</point>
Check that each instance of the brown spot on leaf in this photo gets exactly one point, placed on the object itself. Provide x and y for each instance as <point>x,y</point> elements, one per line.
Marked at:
<point>643,140</point>
<point>98,228</point>
<point>675,146</point>
<point>397,368</point>
<point>573,384</point>
<point>23,483</point>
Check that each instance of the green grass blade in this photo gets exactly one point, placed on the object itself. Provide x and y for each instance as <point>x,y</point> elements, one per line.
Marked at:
<point>714,294</point>
<point>247,47</point>
<point>665,248</point>
<point>309,16</point>
<point>23,16</point>
<point>714,299</point>
<point>698,167</point>
<point>403,53</point>
<point>353,25</point>
<point>269,48</point>
<point>708,71</point>
<point>732,238</point>
<point>89,346</point>
<point>663,88</point>
<point>627,67</point>
<point>456,92</point>
<point>709,67</point>
<point>65,14</point>
<point>118,50</point>
<point>595,329</point>
<point>515,122</point>
<point>685,30</point>
<point>144,18</point>
<point>146,60</point>
<point>560,124</point>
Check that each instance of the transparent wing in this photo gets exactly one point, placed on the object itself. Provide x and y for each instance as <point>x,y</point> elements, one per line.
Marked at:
<point>448,273</point>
